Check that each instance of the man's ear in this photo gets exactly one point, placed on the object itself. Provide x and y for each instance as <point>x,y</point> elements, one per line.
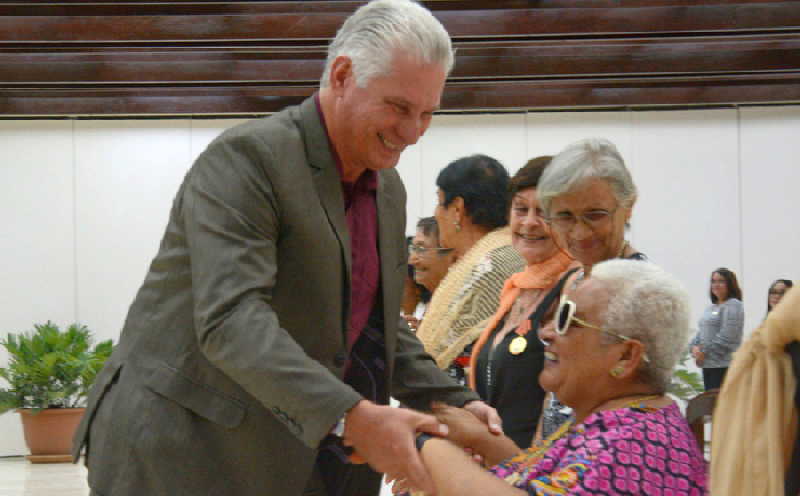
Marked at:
<point>341,74</point>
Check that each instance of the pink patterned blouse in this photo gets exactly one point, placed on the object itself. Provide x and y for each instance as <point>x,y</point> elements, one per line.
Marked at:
<point>641,451</point>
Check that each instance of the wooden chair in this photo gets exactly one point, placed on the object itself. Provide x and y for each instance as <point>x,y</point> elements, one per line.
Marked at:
<point>698,411</point>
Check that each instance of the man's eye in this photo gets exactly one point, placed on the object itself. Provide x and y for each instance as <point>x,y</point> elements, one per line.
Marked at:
<point>400,108</point>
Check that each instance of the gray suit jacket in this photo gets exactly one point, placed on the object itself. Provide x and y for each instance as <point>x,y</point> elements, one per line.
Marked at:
<point>228,371</point>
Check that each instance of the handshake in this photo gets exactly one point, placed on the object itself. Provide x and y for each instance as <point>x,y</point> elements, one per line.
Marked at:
<point>384,437</point>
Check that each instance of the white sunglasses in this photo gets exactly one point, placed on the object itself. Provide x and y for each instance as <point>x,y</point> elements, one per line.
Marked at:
<point>565,316</point>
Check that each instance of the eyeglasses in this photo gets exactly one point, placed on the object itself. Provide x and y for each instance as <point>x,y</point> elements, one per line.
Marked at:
<point>420,250</point>
<point>565,316</point>
<point>565,221</point>
<point>777,292</point>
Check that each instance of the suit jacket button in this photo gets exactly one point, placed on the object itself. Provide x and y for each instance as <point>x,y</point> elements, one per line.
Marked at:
<point>339,359</point>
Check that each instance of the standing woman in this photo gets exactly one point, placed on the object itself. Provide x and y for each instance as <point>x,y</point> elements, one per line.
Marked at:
<point>587,194</point>
<point>776,292</point>
<point>508,356</point>
<point>472,215</point>
<point>720,327</point>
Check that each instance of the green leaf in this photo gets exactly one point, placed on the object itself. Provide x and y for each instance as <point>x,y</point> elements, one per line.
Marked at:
<point>50,368</point>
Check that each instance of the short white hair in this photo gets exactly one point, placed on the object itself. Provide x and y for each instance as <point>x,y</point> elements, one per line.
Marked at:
<point>650,305</point>
<point>373,34</point>
<point>586,159</point>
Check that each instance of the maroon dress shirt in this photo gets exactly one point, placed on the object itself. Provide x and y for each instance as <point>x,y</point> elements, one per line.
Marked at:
<point>362,221</point>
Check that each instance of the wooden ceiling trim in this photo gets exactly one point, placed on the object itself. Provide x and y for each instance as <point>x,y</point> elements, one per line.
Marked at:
<point>203,57</point>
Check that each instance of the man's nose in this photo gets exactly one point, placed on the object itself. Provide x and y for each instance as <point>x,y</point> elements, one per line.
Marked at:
<point>410,129</point>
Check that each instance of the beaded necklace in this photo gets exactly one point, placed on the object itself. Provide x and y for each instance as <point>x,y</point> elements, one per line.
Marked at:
<point>540,448</point>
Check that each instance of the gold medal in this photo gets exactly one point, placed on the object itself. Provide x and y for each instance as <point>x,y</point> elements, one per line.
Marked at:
<point>518,345</point>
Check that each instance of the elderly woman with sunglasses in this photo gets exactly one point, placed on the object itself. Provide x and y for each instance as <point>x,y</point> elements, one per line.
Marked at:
<point>610,354</point>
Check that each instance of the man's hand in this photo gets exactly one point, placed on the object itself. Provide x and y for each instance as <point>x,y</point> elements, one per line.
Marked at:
<point>486,414</point>
<point>384,437</point>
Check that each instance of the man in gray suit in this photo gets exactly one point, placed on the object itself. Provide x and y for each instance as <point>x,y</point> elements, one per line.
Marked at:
<point>266,339</point>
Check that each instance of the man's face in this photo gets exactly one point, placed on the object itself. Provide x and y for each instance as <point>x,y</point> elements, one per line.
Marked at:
<point>373,125</point>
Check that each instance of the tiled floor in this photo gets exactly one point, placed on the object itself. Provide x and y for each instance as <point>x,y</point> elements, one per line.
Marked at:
<point>20,478</point>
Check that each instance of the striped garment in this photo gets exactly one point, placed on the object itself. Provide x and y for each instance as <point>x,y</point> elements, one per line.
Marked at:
<point>467,297</point>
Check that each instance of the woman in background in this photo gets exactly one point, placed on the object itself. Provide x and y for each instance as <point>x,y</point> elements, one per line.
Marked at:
<point>776,292</point>
<point>508,357</point>
<point>587,194</point>
<point>429,263</point>
<point>472,215</point>
<point>720,328</point>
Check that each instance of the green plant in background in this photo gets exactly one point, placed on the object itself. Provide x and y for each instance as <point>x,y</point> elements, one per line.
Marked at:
<point>685,384</point>
<point>49,368</point>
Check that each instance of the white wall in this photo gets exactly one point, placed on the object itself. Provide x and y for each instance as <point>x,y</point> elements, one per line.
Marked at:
<point>84,202</point>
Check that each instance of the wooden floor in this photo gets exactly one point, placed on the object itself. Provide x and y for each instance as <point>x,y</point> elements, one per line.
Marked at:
<point>18,477</point>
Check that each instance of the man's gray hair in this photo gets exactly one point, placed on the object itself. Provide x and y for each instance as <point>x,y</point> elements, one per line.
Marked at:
<point>650,305</point>
<point>586,159</point>
<point>371,36</point>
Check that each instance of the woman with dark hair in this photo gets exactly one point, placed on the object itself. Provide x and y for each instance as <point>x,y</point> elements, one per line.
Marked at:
<point>720,328</point>
<point>776,291</point>
<point>508,357</point>
<point>472,214</point>
<point>428,262</point>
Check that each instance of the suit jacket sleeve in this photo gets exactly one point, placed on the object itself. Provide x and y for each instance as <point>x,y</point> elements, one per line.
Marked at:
<point>232,222</point>
<point>418,381</point>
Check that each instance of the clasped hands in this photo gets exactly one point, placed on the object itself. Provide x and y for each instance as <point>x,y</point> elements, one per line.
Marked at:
<point>383,436</point>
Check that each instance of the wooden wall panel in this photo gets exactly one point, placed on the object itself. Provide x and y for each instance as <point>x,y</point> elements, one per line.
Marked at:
<point>180,57</point>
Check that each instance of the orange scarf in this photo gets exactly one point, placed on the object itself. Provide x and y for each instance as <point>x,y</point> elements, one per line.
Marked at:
<point>543,275</point>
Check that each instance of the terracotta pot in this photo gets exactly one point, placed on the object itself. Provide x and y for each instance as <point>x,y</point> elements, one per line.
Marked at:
<point>49,433</point>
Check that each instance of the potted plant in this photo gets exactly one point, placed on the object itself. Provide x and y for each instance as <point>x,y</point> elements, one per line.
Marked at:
<point>686,384</point>
<point>49,374</point>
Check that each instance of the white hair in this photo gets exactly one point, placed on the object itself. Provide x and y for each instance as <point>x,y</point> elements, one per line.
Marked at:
<point>586,159</point>
<point>650,305</point>
<point>373,34</point>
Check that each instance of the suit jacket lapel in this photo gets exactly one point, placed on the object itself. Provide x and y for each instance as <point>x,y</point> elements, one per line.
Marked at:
<point>388,220</point>
<point>329,187</point>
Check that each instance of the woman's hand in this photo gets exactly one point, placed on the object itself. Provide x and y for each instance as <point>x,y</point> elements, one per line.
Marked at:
<point>464,428</point>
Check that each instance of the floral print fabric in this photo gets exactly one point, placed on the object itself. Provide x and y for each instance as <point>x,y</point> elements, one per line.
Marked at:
<point>627,451</point>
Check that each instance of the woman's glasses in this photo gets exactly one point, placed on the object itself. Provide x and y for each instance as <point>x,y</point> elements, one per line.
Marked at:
<point>565,316</point>
<point>420,250</point>
<point>565,221</point>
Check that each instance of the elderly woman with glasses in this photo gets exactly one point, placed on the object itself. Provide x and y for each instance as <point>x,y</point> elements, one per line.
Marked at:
<point>610,354</point>
<point>587,195</point>
<point>429,262</point>
<point>472,215</point>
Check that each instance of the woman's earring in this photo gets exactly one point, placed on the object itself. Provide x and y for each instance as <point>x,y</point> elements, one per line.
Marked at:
<point>616,372</point>
<point>458,226</point>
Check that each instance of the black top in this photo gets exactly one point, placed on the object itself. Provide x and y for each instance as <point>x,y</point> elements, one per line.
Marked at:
<point>513,387</point>
<point>510,383</point>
